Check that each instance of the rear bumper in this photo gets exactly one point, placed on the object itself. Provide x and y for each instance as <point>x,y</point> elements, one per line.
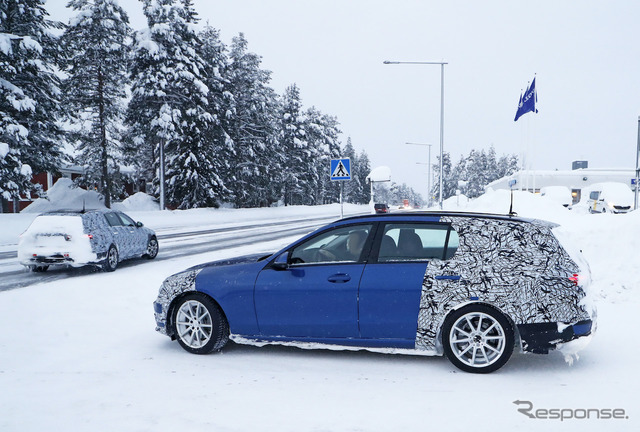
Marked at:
<point>542,337</point>
<point>49,260</point>
<point>64,259</point>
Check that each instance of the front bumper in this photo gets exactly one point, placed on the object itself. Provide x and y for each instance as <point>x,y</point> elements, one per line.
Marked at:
<point>172,287</point>
<point>543,337</point>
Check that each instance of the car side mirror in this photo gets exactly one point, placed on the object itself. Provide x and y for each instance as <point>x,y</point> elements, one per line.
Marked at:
<point>281,263</point>
<point>139,224</point>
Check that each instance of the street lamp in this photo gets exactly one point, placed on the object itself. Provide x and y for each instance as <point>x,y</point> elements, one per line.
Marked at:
<point>428,171</point>
<point>441,109</point>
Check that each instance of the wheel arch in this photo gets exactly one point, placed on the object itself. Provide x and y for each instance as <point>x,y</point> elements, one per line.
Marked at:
<point>514,328</point>
<point>172,306</point>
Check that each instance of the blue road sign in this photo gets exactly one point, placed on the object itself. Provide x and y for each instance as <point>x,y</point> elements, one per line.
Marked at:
<point>340,169</point>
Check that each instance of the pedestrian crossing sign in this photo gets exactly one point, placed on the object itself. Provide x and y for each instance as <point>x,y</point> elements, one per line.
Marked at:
<point>341,169</point>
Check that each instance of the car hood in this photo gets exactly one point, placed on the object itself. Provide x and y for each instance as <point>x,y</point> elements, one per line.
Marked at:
<point>246,259</point>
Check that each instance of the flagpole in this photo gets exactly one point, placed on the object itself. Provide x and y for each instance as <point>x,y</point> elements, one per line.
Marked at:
<point>635,201</point>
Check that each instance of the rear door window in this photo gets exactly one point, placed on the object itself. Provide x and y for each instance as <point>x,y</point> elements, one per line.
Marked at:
<point>113,219</point>
<point>417,242</point>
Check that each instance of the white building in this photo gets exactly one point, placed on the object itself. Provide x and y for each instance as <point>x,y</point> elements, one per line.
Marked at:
<point>575,180</point>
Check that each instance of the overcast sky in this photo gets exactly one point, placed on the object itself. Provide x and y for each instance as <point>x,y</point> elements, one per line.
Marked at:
<point>585,54</point>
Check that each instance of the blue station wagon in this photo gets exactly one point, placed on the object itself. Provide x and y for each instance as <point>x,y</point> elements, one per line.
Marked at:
<point>469,286</point>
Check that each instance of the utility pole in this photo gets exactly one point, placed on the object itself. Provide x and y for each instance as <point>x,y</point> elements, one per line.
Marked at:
<point>635,201</point>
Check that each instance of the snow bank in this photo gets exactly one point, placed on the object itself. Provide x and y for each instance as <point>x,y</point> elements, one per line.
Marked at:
<point>137,202</point>
<point>64,196</point>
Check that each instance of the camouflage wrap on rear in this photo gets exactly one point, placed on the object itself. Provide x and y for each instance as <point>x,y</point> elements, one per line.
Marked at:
<point>518,267</point>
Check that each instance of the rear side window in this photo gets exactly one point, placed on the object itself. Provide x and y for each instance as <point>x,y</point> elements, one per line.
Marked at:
<point>112,219</point>
<point>417,242</point>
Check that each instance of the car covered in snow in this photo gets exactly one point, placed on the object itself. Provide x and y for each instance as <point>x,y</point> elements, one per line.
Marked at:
<point>469,286</point>
<point>79,238</point>
<point>610,197</point>
<point>558,194</point>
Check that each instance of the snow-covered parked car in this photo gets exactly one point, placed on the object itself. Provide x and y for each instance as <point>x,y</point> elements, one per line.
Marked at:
<point>76,239</point>
<point>558,194</point>
<point>467,285</point>
<point>610,197</point>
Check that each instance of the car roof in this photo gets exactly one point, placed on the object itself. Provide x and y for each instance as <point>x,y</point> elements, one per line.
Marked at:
<point>75,212</point>
<point>417,215</point>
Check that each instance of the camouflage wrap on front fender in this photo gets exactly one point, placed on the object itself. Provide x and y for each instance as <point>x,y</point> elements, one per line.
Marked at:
<point>172,287</point>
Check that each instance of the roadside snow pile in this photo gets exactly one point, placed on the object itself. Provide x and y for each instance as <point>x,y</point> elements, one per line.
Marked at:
<point>525,204</point>
<point>137,202</point>
<point>65,196</point>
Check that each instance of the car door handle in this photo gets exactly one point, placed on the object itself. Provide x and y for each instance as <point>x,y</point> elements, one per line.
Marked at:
<point>448,277</point>
<point>339,278</point>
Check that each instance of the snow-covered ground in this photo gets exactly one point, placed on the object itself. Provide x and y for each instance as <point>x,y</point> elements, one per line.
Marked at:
<point>82,354</point>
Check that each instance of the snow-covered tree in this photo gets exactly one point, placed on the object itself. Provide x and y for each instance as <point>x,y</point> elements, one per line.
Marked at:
<point>30,137</point>
<point>351,187</point>
<point>449,179</point>
<point>169,105</point>
<point>295,148</point>
<point>360,171</point>
<point>257,161</point>
<point>96,43</point>
<point>221,107</point>
<point>323,138</point>
<point>507,165</point>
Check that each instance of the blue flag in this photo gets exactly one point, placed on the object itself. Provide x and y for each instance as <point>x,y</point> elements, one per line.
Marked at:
<point>527,101</point>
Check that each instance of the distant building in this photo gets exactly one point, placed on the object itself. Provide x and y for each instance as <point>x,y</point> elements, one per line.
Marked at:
<point>575,179</point>
<point>579,165</point>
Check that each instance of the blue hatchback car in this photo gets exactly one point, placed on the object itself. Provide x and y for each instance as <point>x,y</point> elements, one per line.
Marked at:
<point>469,286</point>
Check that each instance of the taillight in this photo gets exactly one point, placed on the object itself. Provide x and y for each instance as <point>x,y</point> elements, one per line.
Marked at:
<point>67,237</point>
<point>90,236</point>
<point>574,278</point>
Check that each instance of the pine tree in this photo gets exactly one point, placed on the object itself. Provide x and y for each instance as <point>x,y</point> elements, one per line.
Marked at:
<point>257,162</point>
<point>97,46</point>
<point>169,106</point>
<point>323,134</point>
<point>361,171</point>
<point>350,188</point>
<point>221,107</point>
<point>294,144</point>
<point>30,138</point>
<point>449,179</point>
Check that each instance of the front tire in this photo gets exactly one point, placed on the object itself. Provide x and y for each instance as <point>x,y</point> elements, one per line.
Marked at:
<point>477,339</point>
<point>199,324</point>
<point>152,248</point>
<point>111,261</point>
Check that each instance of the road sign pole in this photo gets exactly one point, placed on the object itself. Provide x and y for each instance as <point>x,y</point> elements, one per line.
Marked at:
<point>341,205</point>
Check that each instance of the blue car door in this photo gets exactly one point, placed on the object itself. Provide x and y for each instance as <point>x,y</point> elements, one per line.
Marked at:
<point>391,285</point>
<point>316,295</point>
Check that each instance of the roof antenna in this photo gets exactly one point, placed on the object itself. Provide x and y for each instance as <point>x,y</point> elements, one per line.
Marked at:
<point>511,212</point>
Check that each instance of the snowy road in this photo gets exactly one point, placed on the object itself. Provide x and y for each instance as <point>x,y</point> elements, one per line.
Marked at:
<point>174,243</point>
<point>81,353</point>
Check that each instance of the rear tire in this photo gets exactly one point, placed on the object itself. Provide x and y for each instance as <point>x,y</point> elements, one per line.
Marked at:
<point>477,339</point>
<point>199,324</point>
<point>111,261</point>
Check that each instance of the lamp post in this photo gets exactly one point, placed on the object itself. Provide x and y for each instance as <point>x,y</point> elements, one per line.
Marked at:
<point>441,109</point>
<point>428,170</point>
